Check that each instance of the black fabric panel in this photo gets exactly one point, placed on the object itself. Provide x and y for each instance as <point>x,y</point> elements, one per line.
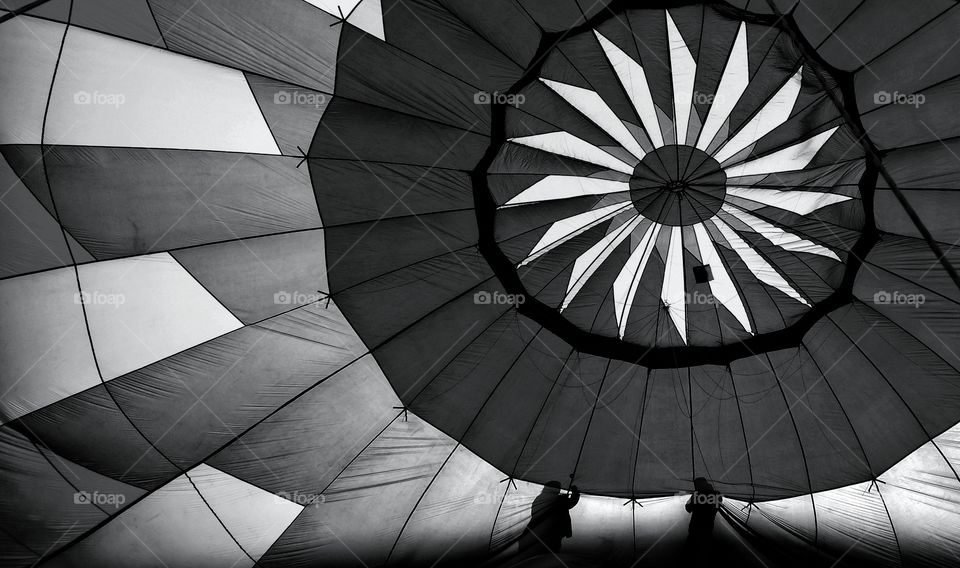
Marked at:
<point>383,75</point>
<point>720,451</point>
<point>354,191</point>
<point>291,112</point>
<point>357,253</point>
<point>27,162</point>
<point>90,430</point>
<point>610,447</point>
<point>302,448</point>
<point>925,58</point>
<point>127,201</point>
<point>384,482</point>
<point>775,449</point>
<point>501,429</point>
<point>553,445</point>
<point>502,23</point>
<point>664,458</point>
<point>262,277</point>
<point>427,30</point>
<point>886,427</point>
<point>831,449</point>
<point>193,402</point>
<point>42,509</point>
<point>554,15</point>
<point>129,19</point>
<point>30,238</point>
<point>289,41</point>
<point>356,131</point>
<point>875,26</point>
<point>895,124</point>
<point>451,393</point>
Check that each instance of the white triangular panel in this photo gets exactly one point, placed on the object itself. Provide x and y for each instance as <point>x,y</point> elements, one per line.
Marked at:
<point>253,516</point>
<point>145,308</point>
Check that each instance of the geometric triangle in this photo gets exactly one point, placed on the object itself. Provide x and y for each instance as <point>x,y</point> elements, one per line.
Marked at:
<point>292,112</point>
<point>145,308</point>
<point>180,525</point>
<point>253,516</point>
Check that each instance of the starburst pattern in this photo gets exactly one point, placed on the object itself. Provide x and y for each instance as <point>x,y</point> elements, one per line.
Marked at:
<point>667,187</point>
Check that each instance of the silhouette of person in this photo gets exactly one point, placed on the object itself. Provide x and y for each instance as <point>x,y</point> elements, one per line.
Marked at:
<point>702,506</point>
<point>549,519</point>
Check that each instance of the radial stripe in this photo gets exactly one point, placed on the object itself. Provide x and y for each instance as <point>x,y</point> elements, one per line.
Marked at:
<point>596,109</point>
<point>565,229</point>
<point>673,292</point>
<point>588,262</point>
<point>774,113</point>
<point>799,202</point>
<point>555,187</point>
<point>683,70</point>
<point>634,81</point>
<point>566,144</point>
<point>792,158</point>
<point>721,287</point>
<point>756,263</point>
<point>628,281</point>
<point>736,77</point>
<point>777,236</point>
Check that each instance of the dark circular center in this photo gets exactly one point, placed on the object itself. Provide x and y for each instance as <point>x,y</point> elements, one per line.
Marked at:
<point>678,185</point>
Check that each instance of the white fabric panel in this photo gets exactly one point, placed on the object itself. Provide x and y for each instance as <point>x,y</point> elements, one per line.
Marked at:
<point>721,287</point>
<point>684,72</point>
<point>634,81</point>
<point>736,77</point>
<point>673,292</point>
<point>774,113</point>
<point>112,92</point>
<point>365,14</point>
<point>800,202</point>
<point>588,262</point>
<point>593,107</point>
<point>171,528</point>
<point>566,144</point>
<point>756,263</point>
<point>777,236</point>
<point>253,516</point>
<point>28,55</point>
<point>792,158</point>
<point>922,494</point>
<point>565,229</point>
<point>563,187</point>
<point>145,308</point>
<point>44,348</point>
<point>626,284</point>
<point>455,515</point>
